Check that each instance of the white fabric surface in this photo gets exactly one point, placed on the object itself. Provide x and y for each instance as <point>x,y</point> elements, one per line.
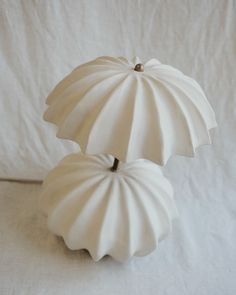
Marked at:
<point>41,42</point>
<point>198,258</point>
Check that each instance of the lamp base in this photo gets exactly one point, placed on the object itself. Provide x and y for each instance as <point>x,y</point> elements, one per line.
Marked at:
<point>120,214</point>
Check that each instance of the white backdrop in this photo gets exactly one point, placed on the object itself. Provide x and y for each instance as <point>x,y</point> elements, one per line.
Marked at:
<point>42,41</point>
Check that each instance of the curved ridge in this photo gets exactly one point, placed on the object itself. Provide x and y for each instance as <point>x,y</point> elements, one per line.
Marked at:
<point>187,82</point>
<point>192,104</point>
<point>180,107</point>
<point>129,240</point>
<point>201,119</point>
<point>58,204</point>
<point>78,73</point>
<point>75,204</point>
<point>75,121</point>
<point>102,248</point>
<point>81,84</point>
<point>88,220</point>
<point>55,116</point>
<point>107,105</point>
<point>166,225</point>
<point>131,125</point>
<point>146,224</point>
<point>159,132</point>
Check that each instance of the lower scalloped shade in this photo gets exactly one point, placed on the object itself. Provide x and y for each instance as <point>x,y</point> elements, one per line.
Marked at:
<point>121,214</point>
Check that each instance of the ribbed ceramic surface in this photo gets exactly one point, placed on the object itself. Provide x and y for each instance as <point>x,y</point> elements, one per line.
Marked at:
<point>108,108</point>
<point>121,214</point>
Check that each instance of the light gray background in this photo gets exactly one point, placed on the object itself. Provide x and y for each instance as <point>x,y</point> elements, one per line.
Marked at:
<point>41,42</point>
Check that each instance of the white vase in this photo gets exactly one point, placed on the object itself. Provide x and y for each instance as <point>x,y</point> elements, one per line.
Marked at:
<point>121,214</point>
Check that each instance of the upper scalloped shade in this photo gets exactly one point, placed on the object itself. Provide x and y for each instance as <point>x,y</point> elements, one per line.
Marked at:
<point>121,214</point>
<point>108,108</point>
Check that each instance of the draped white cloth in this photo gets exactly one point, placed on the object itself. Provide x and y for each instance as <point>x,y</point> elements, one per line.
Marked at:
<point>40,43</point>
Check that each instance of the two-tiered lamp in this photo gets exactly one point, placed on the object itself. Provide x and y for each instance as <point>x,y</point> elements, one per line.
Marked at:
<point>128,118</point>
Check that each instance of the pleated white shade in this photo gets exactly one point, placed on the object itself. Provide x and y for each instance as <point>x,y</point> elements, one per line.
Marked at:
<point>109,108</point>
<point>121,214</point>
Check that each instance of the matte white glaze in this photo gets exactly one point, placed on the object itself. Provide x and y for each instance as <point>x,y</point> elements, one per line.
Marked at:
<point>121,214</point>
<point>108,108</point>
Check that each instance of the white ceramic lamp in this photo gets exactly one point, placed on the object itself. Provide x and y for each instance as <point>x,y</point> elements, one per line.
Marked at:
<point>131,111</point>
